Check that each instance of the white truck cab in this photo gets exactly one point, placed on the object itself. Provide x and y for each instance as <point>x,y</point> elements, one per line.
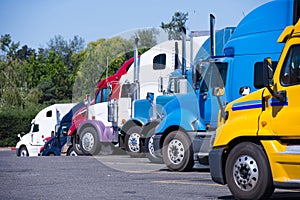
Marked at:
<point>41,128</point>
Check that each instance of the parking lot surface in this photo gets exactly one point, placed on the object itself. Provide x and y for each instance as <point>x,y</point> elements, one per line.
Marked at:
<point>105,177</point>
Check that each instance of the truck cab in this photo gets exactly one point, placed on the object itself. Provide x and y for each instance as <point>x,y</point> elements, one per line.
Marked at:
<point>42,127</point>
<point>94,115</point>
<point>257,144</point>
<point>256,148</point>
<point>236,72</point>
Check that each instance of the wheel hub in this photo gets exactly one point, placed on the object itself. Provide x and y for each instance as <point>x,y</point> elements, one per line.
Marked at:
<point>245,172</point>
<point>23,153</point>
<point>175,151</point>
<point>134,142</point>
<point>88,141</point>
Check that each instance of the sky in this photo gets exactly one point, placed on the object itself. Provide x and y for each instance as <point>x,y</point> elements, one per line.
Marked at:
<point>35,22</point>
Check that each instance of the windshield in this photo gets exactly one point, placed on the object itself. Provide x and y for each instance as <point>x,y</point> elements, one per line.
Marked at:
<point>215,75</point>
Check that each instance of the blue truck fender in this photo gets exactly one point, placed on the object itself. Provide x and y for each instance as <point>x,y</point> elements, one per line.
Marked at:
<point>183,118</point>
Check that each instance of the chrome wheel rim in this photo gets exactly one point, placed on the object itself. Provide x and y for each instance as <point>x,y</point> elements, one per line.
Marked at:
<point>88,141</point>
<point>151,146</point>
<point>245,173</point>
<point>175,151</point>
<point>134,142</point>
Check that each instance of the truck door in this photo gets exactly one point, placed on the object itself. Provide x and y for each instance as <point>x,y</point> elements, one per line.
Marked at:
<point>34,134</point>
<point>215,76</point>
<point>285,116</point>
<point>43,127</point>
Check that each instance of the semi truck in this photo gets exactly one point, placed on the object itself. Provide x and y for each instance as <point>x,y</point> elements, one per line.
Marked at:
<point>257,143</point>
<point>41,127</point>
<point>144,123</point>
<point>184,134</point>
<point>94,113</point>
<point>98,132</point>
<point>158,61</point>
<point>56,145</point>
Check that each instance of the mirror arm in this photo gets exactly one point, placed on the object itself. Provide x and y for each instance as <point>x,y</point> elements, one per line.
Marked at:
<point>280,96</point>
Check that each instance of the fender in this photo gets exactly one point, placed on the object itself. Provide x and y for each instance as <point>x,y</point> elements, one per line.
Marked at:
<point>148,126</point>
<point>139,121</point>
<point>105,133</point>
<point>183,118</point>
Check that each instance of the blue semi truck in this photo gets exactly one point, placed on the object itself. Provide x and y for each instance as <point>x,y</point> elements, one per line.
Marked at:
<point>147,112</point>
<point>184,132</point>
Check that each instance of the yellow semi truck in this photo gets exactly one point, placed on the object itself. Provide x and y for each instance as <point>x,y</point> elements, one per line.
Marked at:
<point>257,143</point>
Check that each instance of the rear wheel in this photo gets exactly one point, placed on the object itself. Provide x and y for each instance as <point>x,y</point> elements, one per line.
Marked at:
<point>178,151</point>
<point>89,141</point>
<point>23,152</point>
<point>248,173</point>
<point>133,142</point>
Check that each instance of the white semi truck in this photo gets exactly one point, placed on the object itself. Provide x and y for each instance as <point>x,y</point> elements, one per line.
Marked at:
<point>41,128</point>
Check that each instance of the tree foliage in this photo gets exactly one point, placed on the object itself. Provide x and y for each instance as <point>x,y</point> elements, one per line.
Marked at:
<point>64,71</point>
<point>173,28</point>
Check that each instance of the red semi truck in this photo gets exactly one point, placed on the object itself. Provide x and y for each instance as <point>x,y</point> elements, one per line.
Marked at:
<point>83,115</point>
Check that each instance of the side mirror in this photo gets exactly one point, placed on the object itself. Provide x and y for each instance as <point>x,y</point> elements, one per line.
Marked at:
<point>218,91</point>
<point>160,84</point>
<point>267,72</point>
<point>150,96</point>
<point>87,100</point>
<point>65,131</point>
<point>109,89</point>
<point>245,90</point>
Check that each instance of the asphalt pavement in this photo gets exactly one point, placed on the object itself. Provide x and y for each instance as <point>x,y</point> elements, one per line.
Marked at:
<point>105,177</point>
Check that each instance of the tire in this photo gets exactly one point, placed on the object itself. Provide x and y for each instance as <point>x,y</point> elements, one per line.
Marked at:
<point>76,146</point>
<point>89,141</point>
<point>149,147</point>
<point>248,173</point>
<point>71,152</point>
<point>178,152</point>
<point>51,154</point>
<point>133,145</point>
<point>23,152</point>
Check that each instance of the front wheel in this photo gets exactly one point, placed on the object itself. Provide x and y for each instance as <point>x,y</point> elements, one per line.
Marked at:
<point>89,141</point>
<point>23,152</point>
<point>178,152</point>
<point>248,173</point>
<point>133,142</point>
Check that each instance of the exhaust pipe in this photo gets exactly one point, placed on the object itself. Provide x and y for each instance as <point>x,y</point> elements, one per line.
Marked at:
<point>136,77</point>
<point>212,36</point>
<point>183,37</point>
<point>176,57</point>
<point>136,72</point>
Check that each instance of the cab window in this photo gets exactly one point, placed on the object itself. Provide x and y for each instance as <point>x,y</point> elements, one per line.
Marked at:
<point>102,96</point>
<point>159,62</point>
<point>290,73</point>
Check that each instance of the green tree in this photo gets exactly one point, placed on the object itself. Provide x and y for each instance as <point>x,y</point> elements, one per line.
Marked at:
<point>173,28</point>
<point>97,57</point>
<point>147,37</point>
